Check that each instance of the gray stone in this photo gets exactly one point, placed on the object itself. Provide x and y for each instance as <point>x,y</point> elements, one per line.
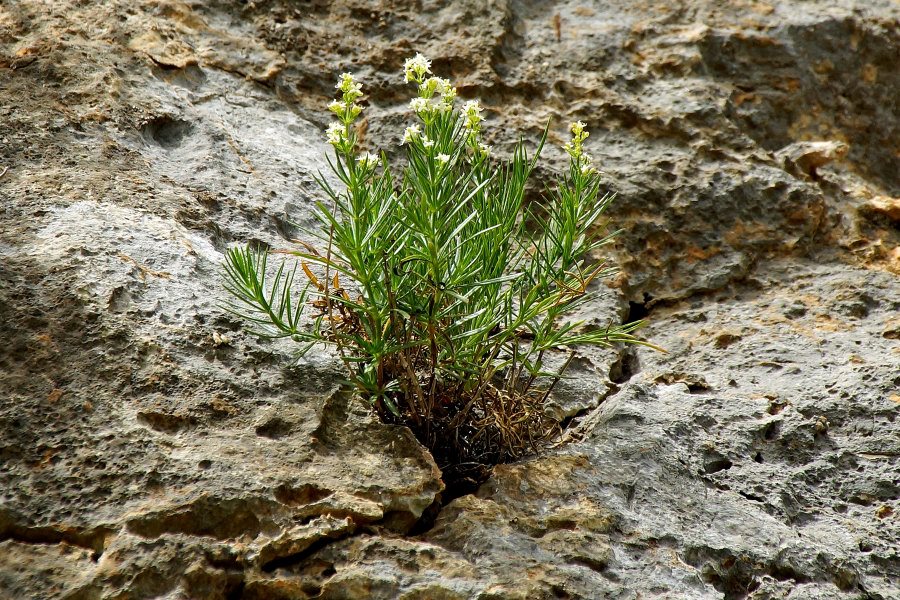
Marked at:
<point>151,448</point>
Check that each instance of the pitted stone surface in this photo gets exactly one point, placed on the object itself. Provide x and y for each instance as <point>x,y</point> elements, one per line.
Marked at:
<point>149,448</point>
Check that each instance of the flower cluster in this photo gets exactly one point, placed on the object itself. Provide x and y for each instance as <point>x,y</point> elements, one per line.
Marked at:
<point>346,108</point>
<point>471,112</point>
<point>337,135</point>
<point>471,116</point>
<point>412,132</point>
<point>583,160</point>
<point>436,96</point>
<point>340,134</point>
<point>367,160</point>
<point>416,68</point>
<point>351,89</point>
<point>439,86</point>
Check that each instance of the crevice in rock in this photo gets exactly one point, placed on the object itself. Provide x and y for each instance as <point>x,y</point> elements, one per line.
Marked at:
<point>165,422</point>
<point>735,576</point>
<point>639,310</point>
<point>753,497</point>
<point>206,516</point>
<point>716,465</point>
<point>571,422</point>
<point>455,487</point>
<point>301,495</point>
<point>731,575</point>
<point>474,475</point>
<point>297,558</point>
<point>626,367</point>
<point>696,384</point>
<point>429,515</point>
<point>235,592</point>
<point>570,427</point>
<point>88,539</point>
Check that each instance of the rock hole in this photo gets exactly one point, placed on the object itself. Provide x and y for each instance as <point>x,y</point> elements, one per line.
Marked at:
<point>165,422</point>
<point>753,497</point>
<point>236,591</point>
<point>258,245</point>
<point>295,559</point>
<point>119,300</point>
<point>167,132</point>
<point>190,77</point>
<point>301,495</point>
<point>776,407</point>
<point>716,465</point>
<point>639,310</point>
<point>625,367</point>
<point>274,428</point>
<point>696,384</point>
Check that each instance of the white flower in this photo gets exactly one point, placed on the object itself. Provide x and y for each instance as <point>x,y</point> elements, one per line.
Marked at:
<point>442,158</point>
<point>472,108</point>
<point>336,134</point>
<point>442,87</point>
<point>344,80</point>
<point>436,85</point>
<point>416,67</point>
<point>484,149</point>
<point>367,160</point>
<point>587,164</point>
<point>348,86</point>
<point>419,105</point>
<point>472,111</point>
<point>579,134</point>
<point>411,133</point>
<point>426,142</point>
<point>346,110</point>
<point>449,94</point>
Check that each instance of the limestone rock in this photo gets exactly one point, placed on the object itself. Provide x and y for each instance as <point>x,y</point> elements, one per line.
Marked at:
<point>151,448</point>
<point>805,158</point>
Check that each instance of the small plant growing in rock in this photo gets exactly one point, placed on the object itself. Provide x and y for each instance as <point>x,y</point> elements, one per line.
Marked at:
<point>441,302</point>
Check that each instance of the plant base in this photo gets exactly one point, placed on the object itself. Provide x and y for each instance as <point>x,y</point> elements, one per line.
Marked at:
<point>498,428</point>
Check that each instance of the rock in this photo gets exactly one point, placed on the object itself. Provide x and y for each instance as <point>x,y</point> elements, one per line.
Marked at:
<point>151,448</point>
<point>883,206</point>
<point>804,158</point>
<point>56,569</point>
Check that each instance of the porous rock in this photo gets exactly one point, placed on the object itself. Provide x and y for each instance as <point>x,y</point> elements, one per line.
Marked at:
<point>150,448</point>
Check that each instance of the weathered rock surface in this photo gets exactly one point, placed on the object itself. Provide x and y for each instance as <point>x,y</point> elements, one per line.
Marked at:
<point>151,449</point>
